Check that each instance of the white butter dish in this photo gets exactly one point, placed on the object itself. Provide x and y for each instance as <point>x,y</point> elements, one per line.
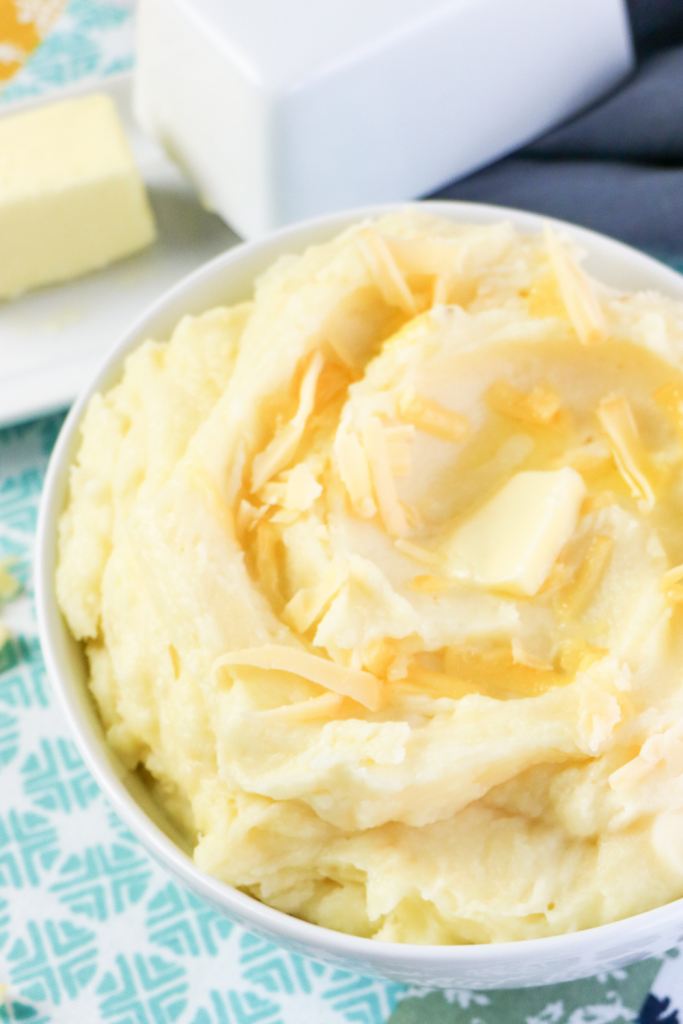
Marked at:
<point>281,111</point>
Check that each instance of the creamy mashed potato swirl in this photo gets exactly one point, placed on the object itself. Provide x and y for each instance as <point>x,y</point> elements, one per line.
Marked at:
<point>379,577</point>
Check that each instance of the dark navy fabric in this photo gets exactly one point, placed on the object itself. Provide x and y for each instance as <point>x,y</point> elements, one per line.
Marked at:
<point>618,167</point>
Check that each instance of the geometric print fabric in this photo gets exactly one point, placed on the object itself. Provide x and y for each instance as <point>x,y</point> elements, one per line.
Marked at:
<point>91,929</point>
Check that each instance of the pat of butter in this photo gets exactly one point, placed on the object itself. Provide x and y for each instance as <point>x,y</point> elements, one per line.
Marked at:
<point>71,196</point>
<point>513,541</point>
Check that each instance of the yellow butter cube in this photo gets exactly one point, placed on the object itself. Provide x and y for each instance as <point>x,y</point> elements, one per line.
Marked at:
<point>71,196</point>
<point>512,542</point>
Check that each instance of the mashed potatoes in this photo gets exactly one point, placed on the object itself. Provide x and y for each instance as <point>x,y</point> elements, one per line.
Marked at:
<point>378,579</point>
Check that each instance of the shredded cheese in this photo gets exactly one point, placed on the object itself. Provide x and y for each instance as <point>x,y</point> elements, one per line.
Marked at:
<point>671,576</point>
<point>443,285</point>
<point>431,417</point>
<point>558,576</point>
<point>629,453</point>
<point>497,673</point>
<point>390,509</point>
<point>348,682</point>
<point>248,516</point>
<point>577,655</point>
<point>540,407</point>
<point>324,706</point>
<point>379,655</point>
<point>594,502</point>
<point>333,380</point>
<point>521,656</point>
<point>590,464</point>
<point>400,435</point>
<point>283,446</point>
<point>663,748</point>
<point>412,516</point>
<point>587,580</point>
<point>399,459</point>
<point>419,553</point>
<point>273,493</point>
<point>355,472</point>
<point>385,271</point>
<point>308,602</point>
<point>578,295</point>
<point>302,488</point>
<point>439,682</point>
<point>285,516</point>
<point>669,581</point>
<point>399,441</point>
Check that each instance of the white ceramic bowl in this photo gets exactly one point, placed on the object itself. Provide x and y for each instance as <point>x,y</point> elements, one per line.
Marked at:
<point>228,279</point>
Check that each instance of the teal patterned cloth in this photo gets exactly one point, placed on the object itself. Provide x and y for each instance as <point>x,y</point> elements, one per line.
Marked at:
<point>91,40</point>
<point>93,930</point>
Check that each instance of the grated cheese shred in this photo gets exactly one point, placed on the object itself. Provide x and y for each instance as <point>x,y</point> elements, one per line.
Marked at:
<point>669,583</point>
<point>588,577</point>
<point>324,706</point>
<point>385,271</point>
<point>540,407</point>
<point>282,448</point>
<point>302,488</point>
<point>347,682</point>
<point>355,472</point>
<point>419,553</point>
<point>577,655</point>
<point>497,673</point>
<point>443,286</point>
<point>399,442</point>
<point>248,516</point>
<point>308,602</point>
<point>578,294</point>
<point>629,453</point>
<point>426,256</point>
<point>431,417</point>
<point>390,509</point>
<point>521,656</point>
<point>440,683</point>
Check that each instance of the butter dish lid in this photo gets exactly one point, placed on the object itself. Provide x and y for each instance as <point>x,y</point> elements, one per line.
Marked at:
<point>279,112</point>
<point>279,45</point>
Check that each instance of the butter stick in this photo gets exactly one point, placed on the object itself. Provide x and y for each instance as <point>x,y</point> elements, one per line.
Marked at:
<point>71,196</point>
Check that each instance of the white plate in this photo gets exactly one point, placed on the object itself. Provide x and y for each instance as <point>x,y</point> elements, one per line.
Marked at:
<point>51,340</point>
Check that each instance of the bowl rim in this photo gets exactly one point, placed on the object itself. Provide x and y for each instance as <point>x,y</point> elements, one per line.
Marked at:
<point>102,763</point>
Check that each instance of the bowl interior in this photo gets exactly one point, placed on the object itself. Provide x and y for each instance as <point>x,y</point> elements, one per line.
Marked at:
<point>226,280</point>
